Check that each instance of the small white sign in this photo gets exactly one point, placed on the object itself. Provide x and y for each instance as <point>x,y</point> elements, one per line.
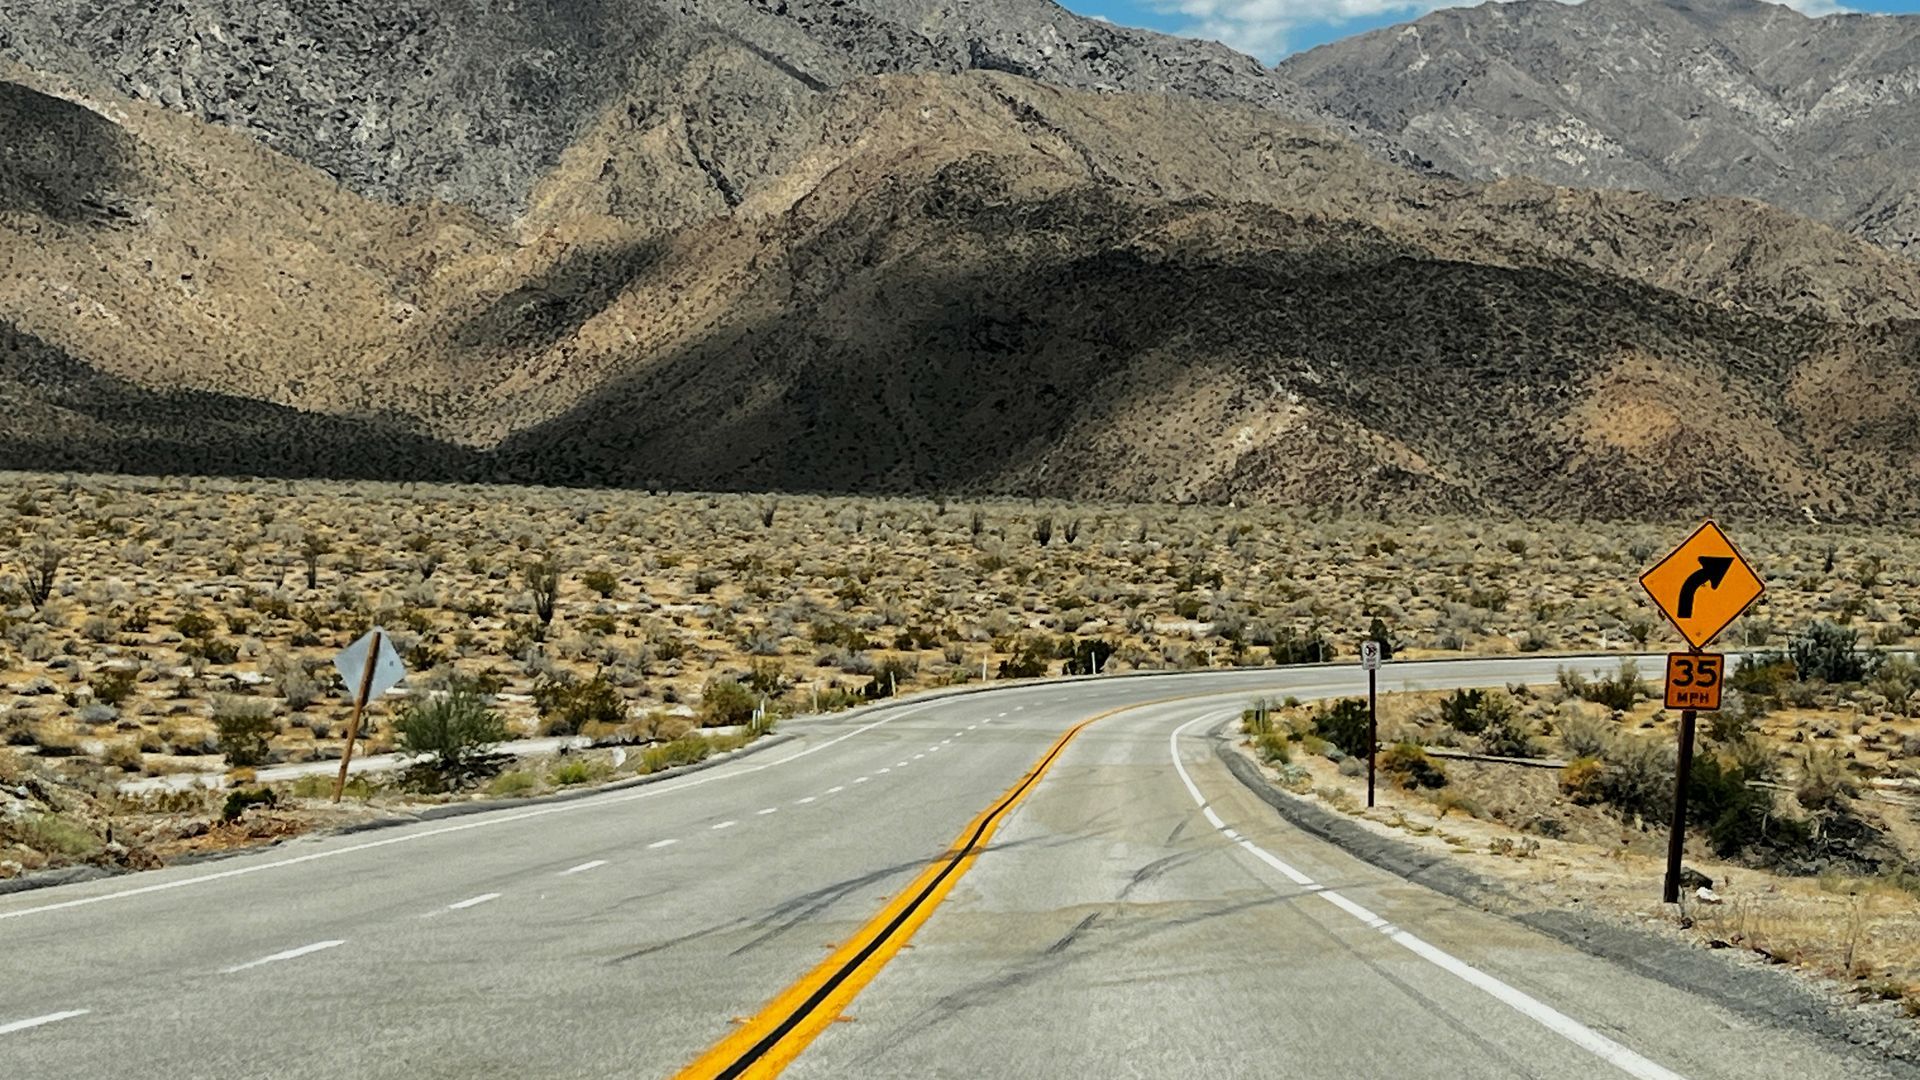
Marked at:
<point>387,668</point>
<point>1370,655</point>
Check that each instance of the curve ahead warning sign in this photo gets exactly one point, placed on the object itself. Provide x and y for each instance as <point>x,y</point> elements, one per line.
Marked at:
<point>1703,585</point>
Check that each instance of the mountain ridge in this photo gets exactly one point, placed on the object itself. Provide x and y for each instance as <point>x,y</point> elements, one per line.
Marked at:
<point>736,272</point>
<point>1679,97</point>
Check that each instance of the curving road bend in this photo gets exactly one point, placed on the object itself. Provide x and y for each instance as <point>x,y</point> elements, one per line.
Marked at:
<point>1139,914</point>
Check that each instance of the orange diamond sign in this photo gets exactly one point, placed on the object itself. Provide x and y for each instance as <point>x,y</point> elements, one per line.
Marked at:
<point>1704,585</point>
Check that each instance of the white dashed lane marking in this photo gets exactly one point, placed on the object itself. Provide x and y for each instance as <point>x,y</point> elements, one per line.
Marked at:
<point>473,901</point>
<point>836,789</point>
<point>34,1022</point>
<point>770,810</point>
<point>808,799</point>
<point>583,867</point>
<point>662,843</point>
<point>725,825</point>
<point>279,956</point>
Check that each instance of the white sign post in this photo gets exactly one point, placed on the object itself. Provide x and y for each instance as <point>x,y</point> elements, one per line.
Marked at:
<point>1370,659</point>
<point>373,668</point>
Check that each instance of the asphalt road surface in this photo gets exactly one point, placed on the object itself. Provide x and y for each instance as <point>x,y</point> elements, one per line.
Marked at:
<point>1137,913</point>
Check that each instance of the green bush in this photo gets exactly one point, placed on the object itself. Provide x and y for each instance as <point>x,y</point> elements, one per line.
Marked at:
<point>724,702</point>
<point>1762,674</point>
<point>1720,796</point>
<point>239,799</point>
<point>242,730</point>
<point>1344,724</point>
<point>1586,737</point>
<point>452,729</point>
<point>1028,660</point>
<point>1584,780</point>
<point>1469,711</point>
<point>567,705</point>
<point>1830,653</point>
<point>1617,691</point>
<point>1639,777</point>
<point>1408,765</point>
<point>684,750</point>
<point>112,687</point>
<point>576,771</point>
<point>1086,656</point>
<point>602,582</point>
<point>1273,748</point>
<point>1309,648</point>
<point>517,782</point>
<point>1377,631</point>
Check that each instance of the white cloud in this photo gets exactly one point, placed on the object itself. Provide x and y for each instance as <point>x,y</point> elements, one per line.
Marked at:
<point>1261,27</point>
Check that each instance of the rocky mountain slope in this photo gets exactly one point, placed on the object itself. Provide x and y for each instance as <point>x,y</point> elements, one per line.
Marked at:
<point>472,102</point>
<point>728,264</point>
<point>1680,97</point>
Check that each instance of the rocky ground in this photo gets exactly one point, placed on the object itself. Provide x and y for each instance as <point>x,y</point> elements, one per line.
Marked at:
<point>1569,816</point>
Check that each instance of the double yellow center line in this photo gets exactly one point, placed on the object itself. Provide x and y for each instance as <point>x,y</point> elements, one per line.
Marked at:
<point>776,1035</point>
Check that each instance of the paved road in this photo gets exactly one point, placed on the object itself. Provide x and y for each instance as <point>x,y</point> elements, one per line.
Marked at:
<point>1139,914</point>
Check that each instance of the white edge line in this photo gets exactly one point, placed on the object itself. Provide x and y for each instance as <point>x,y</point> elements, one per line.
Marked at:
<point>50,1018</point>
<point>279,956</point>
<point>1534,1009</point>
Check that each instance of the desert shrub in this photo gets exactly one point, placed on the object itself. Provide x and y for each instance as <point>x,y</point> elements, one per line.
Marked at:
<point>1762,674</point>
<point>113,686</point>
<point>1290,647</point>
<point>1408,765</point>
<point>888,676</point>
<point>1272,747</point>
<point>1470,711</point>
<point>242,730</point>
<point>684,750</point>
<point>1824,782</point>
<point>517,782</point>
<point>576,771</point>
<point>542,580</point>
<point>1585,736</point>
<point>1720,797</point>
<point>53,834</point>
<point>1830,653</point>
<point>194,624</point>
<point>1617,691</point>
<point>1344,724</point>
<point>601,581</point>
<point>1584,780</point>
<point>216,651</point>
<point>1086,656</point>
<point>1377,631</point>
<point>767,677</point>
<point>1639,777</point>
<point>1507,734</point>
<point>123,754</point>
<point>239,800</point>
<point>725,702</point>
<point>453,729</point>
<point>99,629</point>
<point>1028,659</point>
<point>567,705</point>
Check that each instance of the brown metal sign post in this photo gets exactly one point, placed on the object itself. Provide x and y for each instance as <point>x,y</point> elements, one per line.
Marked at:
<point>359,706</point>
<point>1677,837</point>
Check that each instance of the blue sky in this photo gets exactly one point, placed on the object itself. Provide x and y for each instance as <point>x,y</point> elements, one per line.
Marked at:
<point>1269,29</point>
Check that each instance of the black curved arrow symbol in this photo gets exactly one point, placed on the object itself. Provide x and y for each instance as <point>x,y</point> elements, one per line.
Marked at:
<point>1713,570</point>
